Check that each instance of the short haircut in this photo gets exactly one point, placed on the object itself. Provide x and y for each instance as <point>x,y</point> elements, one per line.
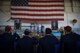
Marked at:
<point>48,31</point>
<point>27,32</point>
<point>68,29</point>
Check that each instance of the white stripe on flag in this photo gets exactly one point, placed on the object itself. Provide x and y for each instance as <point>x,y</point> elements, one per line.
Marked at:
<point>34,12</point>
<point>37,17</point>
<point>53,3</point>
<point>27,7</point>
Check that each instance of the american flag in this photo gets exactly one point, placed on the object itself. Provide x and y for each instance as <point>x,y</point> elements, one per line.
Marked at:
<point>37,10</point>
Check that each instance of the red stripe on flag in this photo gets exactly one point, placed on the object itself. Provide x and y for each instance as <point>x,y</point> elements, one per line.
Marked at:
<point>46,5</point>
<point>32,19</point>
<point>13,9</point>
<point>45,0</point>
<point>37,14</point>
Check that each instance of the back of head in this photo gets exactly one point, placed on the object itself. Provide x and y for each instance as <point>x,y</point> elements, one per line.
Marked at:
<point>27,32</point>
<point>8,28</point>
<point>48,31</point>
<point>68,28</point>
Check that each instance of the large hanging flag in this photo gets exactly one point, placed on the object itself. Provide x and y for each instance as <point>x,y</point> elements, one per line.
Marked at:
<point>37,10</point>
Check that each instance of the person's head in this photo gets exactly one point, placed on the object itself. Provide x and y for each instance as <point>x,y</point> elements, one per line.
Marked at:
<point>27,32</point>
<point>67,29</point>
<point>8,28</point>
<point>48,31</point>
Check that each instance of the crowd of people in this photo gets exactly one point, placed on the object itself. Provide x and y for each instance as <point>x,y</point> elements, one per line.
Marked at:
<point>12,43</point>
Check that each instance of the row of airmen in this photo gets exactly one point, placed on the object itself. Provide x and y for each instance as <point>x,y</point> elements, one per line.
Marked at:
<point>69,43</point>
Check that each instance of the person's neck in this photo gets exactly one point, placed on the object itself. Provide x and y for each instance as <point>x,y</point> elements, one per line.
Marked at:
<point>27,36</point>
<point>48,34</point>
<point>68,32</point>
<point>7,32</point>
